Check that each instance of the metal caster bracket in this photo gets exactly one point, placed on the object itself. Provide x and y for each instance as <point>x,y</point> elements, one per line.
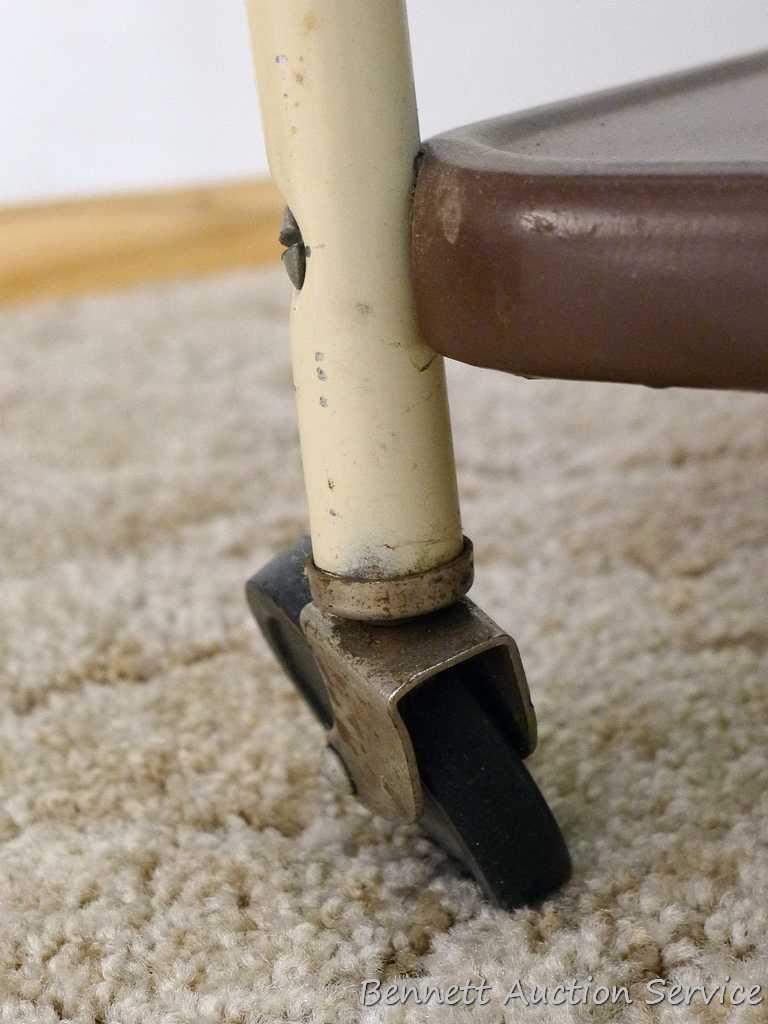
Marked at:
<point>368,670</point>
<point>429,720</point>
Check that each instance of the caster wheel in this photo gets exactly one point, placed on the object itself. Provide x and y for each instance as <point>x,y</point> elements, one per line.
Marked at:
<point>481,804</point>
<point>479,801</point>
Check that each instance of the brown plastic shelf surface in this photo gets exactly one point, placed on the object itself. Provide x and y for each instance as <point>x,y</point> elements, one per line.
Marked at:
<point>622,236</point>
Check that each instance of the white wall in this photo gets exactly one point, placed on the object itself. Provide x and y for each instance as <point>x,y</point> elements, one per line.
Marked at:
<point>99,95</point>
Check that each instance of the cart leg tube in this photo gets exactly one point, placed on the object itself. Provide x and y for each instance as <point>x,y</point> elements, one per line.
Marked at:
<point>339,113</point>
<point>427,719</point>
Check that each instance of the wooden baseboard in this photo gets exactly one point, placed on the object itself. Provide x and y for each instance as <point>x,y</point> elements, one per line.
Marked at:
<point>86,245</point>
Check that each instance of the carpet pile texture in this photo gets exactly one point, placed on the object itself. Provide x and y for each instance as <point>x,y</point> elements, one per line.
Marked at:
<point>169,852</point>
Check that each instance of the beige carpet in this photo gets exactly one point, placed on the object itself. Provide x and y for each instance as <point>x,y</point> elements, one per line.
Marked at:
<point>168,852</point>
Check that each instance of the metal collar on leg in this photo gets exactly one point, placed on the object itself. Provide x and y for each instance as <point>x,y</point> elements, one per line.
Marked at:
<point>404,597</point>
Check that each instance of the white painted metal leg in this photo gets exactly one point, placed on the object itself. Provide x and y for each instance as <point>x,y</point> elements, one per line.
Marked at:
<point>340,119</point>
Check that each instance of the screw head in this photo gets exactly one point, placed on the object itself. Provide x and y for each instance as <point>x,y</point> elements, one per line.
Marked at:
<point>295,255</point>
<point>295,263</point>
<point>290,233</point>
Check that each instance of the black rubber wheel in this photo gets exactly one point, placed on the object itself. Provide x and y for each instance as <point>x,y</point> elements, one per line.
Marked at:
<point>481,804</point>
